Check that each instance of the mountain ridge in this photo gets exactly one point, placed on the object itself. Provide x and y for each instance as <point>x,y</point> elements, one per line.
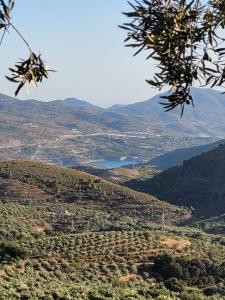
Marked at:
<point>198,183</point>
<point>204,118</point>
<point>177,157</point>
<point>65,133</point>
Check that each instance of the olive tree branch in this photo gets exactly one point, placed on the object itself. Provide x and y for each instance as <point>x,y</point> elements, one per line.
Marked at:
<point>20,35</point>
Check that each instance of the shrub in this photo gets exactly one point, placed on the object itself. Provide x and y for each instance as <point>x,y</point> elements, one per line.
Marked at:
<point>10,251</point>
<point>174,285</point>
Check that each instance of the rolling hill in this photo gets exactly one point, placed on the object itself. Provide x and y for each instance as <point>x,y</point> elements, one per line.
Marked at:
<point>81,103</point>
<point>62,114</point>
<point>119,175</point>
<point>198,183</point>
<point>66,234</point>
<point>62,131</point>
<point>60,189</point>
<point>178,156</point>
<point>214,225</point>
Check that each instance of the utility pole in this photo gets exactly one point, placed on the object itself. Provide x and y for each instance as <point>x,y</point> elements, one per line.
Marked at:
<point>134,161</point>
<point>72,224</point>
<point>163,222</point>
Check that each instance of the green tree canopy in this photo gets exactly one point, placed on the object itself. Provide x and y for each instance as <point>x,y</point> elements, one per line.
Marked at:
<point>185,38</point>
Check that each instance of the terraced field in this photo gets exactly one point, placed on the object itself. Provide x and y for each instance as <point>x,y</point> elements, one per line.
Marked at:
<point>68,235</point>
<point>119,259</point>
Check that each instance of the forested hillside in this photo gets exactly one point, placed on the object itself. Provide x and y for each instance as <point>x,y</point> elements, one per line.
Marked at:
<point>59,197</point>
<point>177,157</point>
<point>198,183</point>
<point>66,234</point>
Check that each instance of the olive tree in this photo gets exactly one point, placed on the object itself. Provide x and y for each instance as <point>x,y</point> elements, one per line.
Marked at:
<point>186,40</point>
<point>30,70</point>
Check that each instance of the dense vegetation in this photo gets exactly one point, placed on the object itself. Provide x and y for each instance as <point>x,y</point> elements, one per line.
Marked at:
<point>69,235</point>
<point>115,265</point>
<point>214,225</point>
<point>176,271</point>
<point>198,183</point>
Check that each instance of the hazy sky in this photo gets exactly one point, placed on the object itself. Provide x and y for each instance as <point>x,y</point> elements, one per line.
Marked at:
<point>80,39</point>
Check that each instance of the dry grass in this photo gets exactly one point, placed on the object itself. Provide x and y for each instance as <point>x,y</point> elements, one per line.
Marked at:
<point>179,244</point>
<point>127,277</point>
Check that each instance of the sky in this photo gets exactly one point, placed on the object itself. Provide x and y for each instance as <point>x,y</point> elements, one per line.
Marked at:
<point>81,40</point>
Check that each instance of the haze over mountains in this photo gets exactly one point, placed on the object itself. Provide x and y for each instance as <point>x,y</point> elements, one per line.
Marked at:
<point>74,131</point>
<point>206,118</point>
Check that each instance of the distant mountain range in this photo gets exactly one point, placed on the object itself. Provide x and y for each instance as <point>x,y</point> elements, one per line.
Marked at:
<point>206,118</point>
<point>198,183</point>
<point>67,114</point>
<point>71,131</point>
<point>81,103</point>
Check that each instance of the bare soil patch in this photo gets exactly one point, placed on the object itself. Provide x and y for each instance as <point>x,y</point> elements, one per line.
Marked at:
<point>180,244</point>
<point>127,277</point>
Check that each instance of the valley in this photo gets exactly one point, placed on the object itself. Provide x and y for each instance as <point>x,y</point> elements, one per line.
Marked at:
<point>72,131</point>
<point>69,147</point>
<point>71,229</point>
<point>120,194</point>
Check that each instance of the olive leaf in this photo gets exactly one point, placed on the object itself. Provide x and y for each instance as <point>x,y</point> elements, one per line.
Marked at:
<point>183,38</point>
<point>32,70</point>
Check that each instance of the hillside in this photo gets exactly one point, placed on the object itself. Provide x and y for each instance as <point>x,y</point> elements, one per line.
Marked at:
<point>64,115</point>
<point>117,266</point>
<point>66,234</point>
<point>214,225</point>
<point>178,156</point>
<point>81,103</point>
<point>62,194</point>
<point>198,183</point>
<point>122,264</point>
<point>119,175</point>
<point>61,132</point>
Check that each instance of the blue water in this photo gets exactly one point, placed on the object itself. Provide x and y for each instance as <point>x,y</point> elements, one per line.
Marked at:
<point>110,164</point>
